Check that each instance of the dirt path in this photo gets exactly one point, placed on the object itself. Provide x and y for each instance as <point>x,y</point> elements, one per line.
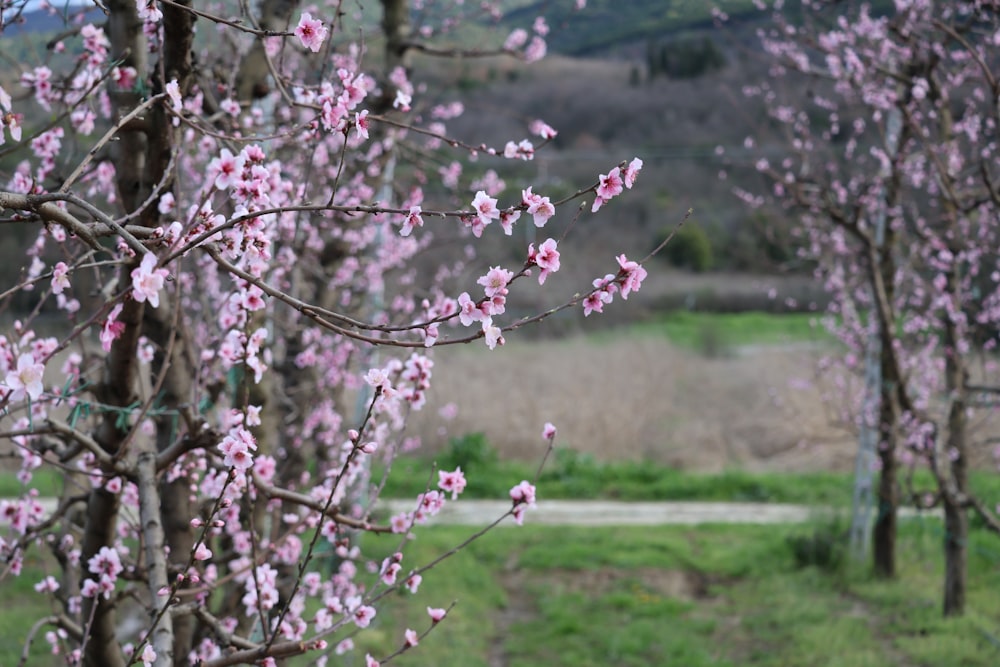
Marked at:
<point>613,513</point>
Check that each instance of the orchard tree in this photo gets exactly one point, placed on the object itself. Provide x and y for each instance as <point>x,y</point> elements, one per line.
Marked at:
<point>890,158</point>
<point>228,210</point>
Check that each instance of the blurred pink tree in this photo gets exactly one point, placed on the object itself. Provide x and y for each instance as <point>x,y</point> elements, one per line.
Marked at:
<point>887,128</point>
<point>229,210</point>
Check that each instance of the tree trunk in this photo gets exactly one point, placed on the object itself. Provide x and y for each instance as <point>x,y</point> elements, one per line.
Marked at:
<point>884,528</point>
<point>956,528</point>
<point>956,520</point>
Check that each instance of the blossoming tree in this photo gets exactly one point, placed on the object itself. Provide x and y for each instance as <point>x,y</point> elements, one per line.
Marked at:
<point>228,209</point>
<point>890,159</point>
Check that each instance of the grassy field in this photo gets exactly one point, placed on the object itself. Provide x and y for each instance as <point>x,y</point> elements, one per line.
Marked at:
<point>569,474</point>
<point>731,330</point>
<point>708,596</point>
<point>721,596</point>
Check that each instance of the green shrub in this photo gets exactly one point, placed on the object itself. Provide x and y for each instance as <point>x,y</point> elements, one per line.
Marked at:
<point>471,451</point>
<point>824,547</point>
<point>690,248</point>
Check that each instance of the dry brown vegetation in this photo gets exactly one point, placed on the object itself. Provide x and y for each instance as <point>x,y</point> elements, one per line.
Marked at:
<point>637,398</point>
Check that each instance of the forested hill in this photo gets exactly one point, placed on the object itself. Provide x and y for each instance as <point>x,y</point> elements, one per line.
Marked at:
<point>607,24</point>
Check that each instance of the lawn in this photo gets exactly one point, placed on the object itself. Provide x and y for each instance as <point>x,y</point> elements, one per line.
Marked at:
<point>728,331</point>
<point>681,596</point>
<point>570,474</point>
<point>705,596</point>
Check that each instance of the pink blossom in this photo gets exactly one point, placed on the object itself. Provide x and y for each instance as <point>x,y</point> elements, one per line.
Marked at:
<point>549,431</point>
<point>469,311</point>
<point>147,281</point>
<point>236,449</point>
<point>485,208</point>
<point>230,106</point>
<point>47,585</point>
<point>542,129</point>
<point>26,379</point>
<point>226,169</point>
<point>546,258</point>
<point>594,302</point>
<point>436,614</point>
<point>148,11</point>
<point>631,171</point>
<point>174,94</point>
<point>523,493</point>
<point>361,123</point>
<point>633,274</point>
<point>507,219</point>
<point>389,573</point>
<point>495,281</point>
<point>538,206</point>
<point>453,482</point>
<point>536,49</point>
<point>363,616</point>
<point>412,220</point>
<point>12,121</point>
<point>492,333</point>
<point>523,150</point>
<point>202,552</point>
<point>105,563</point>
<point>413,582</point>
<point>311,32</point>
<point>610,185</point>
<point>112,328</point>
<point>148,656</point>
<point>400,523</point>
<point>370,661</point>
<point>402,101</point>
<point>523,496</point>
<point>516,39</point>
<point>411,637</point>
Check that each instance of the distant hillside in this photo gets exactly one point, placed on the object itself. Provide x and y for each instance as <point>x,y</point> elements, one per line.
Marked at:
<point>611,25</point>
<point>607,24</point>
<point>44,22</point>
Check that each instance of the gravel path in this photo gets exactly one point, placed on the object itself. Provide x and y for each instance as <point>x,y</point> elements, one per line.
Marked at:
<point>610,513</point>
<point>613,513</point>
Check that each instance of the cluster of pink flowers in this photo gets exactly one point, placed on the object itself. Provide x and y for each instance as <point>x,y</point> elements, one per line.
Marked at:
<point>311,32</point>
<point>486,211</point>
<point>546,258</point>
<point>539,207</point>
<point>25,380</point>
<point>629,279</point>
<point>147,281</point>
<point>279,202</point>
<point>237,449</point>
<point>452,482</point>
<point>107,565</point>
<point>8,119</point>
<point>612,183</point>
<point>523,495</point>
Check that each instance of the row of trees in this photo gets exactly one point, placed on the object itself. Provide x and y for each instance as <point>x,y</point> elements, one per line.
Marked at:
<point>889,128</point>
<point>229,206</point>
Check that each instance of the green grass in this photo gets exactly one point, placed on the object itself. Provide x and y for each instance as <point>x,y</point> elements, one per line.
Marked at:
<point>721,596</point>
<point>569,474</point>
<point>730,330</point>
<point>48,481</point>
<point>22,607</point>
<point>593,597</point>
